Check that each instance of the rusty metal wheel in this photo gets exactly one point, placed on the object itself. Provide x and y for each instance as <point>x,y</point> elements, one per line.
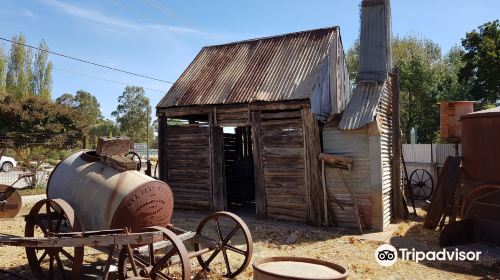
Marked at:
<point>168,261</point>
<point>135,157</point>
<point>47,218</point>
<point>229,242</point>
<point>422,184</point>
<point>11,206</point>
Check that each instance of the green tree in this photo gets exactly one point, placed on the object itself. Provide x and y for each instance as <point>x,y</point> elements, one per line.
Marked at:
<point>105,128</point>
<point>482,63</point>
<point>19,75</point>
<point>352,59</point>
<point>66,99</point>
<point>3,72</point>
<point>85,103</point>
<point>42,72</point>
<point>132,114</point>
<point>35,127</point>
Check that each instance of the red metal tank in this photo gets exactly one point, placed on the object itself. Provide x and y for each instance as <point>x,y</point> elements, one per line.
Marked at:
<point>481,146</point>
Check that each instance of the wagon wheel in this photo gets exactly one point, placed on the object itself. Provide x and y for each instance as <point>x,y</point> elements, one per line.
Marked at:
<point>133,156</point>
<point>228,241</point>
<point>46,218</point>
<point>422,184</point>
<point>171,262</point>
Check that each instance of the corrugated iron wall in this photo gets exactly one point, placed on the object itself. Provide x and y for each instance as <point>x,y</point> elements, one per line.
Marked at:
<point>384,118</point>
<point>353,144</point>
<point>421,153</point>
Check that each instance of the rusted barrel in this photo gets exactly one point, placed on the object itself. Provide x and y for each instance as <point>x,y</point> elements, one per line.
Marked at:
<point>105,198</point>
<point>295,268</point>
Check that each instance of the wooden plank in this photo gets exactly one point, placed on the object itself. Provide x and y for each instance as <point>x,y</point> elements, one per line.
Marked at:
<point>218,170</point>
<point>312,150</point>
<point>282,115</point>
<point>260,194</point>
<point>162,148</point>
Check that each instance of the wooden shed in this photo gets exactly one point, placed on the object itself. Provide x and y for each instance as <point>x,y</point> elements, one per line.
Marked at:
<point>240,127</point>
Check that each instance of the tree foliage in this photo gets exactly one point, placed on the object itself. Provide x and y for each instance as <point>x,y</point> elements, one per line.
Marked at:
<point>23,73</point>
<point>84,102</point>
<point>132,114</point>
<point>105,128</point>
<point>426,78</point>
<point>34,127</point>
<point>481,69</point>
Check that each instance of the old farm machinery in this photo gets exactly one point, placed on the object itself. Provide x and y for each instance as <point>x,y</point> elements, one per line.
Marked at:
<point>100,200</point>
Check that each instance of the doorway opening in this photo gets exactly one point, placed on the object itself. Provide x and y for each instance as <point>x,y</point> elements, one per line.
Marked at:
<point>239,170</point>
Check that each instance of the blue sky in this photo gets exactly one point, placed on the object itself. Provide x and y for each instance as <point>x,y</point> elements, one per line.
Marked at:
<point>160,40</point>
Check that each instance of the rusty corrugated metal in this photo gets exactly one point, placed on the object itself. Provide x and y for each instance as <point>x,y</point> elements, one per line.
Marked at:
<point>375,58</point>
<point>481,146</point>
<point>362,108</point>
<point>268,69</point>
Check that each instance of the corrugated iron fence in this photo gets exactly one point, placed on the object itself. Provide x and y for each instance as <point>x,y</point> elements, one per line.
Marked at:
<point>430,157</point>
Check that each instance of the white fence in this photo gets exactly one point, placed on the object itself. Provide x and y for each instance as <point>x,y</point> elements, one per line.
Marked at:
<point>429,153</point>
<point>430,157</point>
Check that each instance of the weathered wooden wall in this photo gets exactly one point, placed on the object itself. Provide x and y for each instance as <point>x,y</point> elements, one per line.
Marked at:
<point>385,127</point>
<point>188,166</point>
<point>283,165</point>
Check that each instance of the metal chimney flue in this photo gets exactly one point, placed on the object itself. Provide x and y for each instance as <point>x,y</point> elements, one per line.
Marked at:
<point>375,58</point>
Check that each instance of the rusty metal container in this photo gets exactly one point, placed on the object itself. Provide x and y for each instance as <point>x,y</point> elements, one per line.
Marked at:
<point>105,198</point>
<point>449,118</point>
<point>296,268</point>
<point>481,146</point>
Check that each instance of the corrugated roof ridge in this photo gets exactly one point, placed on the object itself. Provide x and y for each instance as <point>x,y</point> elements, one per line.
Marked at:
<point>272,36</point>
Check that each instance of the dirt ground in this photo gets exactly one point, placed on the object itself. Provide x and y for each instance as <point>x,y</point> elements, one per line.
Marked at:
<point>273,239</point>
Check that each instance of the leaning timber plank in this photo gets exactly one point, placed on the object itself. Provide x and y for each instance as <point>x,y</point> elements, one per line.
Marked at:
<point>287,212</point>
<point>286,218</point>
<point>79,241</point>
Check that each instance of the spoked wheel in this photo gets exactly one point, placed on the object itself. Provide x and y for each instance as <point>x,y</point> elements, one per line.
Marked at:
<point>135,157</point>
<point>422,184</point>
<point>46,218</point>
<point>170,262</point>
<point>228,243</point>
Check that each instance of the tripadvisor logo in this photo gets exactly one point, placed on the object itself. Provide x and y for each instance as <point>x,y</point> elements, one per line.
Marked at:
<point>387,255</point>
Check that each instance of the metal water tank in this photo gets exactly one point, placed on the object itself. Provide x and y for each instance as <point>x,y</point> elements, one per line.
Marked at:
<point>105,198</point>
<point>481,146</point>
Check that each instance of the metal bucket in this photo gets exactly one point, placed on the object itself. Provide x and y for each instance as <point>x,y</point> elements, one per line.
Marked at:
<point>105,198</point>
<point>295,268</point>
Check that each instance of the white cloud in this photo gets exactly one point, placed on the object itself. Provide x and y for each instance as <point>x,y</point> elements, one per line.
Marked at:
<point>29,13</point>
<point>113,22</point>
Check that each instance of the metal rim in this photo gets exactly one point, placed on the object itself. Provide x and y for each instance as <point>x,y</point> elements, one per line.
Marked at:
<point>58,211</point>
<point>224,243</point>
<point>342,270</point>
<point>8,210</point>
<point>151,267</point>
<point>134,154</point>
<point>422,184</point>
<point>473,194</point>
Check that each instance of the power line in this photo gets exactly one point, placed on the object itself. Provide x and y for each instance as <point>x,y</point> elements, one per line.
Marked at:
<point>88,62</point>
<point>167,10</point>
<point>104,79</point>
<point>131,10</point>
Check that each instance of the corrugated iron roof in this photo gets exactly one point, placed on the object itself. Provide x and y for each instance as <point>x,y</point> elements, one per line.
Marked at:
<point>362,108</point>
<point>267,69</point>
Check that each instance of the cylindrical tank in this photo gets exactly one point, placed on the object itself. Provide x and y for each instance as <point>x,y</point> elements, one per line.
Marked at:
<point>481,146</point>
<point>297,268</point>
<point>105,198</point>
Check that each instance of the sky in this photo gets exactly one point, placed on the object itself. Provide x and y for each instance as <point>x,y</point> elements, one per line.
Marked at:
<point>159,38</point>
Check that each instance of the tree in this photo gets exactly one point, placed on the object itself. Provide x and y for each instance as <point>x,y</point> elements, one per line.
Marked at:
<point>19,74</point>
<point>42,72</point>
<point>35,127</point>
<point>105,128</point>
<point>482,63</point>
<point>420,63</point>
<point>84,102</point>
<point>3,72</point>
<point>132,114</point>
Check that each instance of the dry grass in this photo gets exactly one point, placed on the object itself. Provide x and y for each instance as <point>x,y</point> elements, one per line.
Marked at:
<point>270,240</point>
